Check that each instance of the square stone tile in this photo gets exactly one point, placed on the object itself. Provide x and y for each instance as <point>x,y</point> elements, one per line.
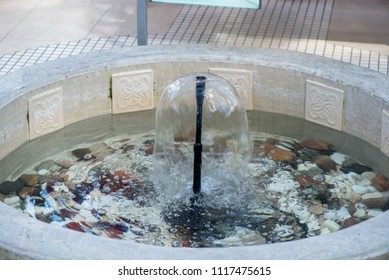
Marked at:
<point>132,91</point>
<point>324,105</point>
<point>45,112</point>
<point>385,133</point>
<point>242,80</point>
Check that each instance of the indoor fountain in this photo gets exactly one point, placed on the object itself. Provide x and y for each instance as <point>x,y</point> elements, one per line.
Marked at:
<point>208,147</point>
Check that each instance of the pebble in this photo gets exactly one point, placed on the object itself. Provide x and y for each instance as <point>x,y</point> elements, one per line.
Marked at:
<point>349,222</point>
<point>30,179</point>
<point>342,214</point>
<point>64,162</point>
<point>353,166</point>
<point>43,172</point>
<point>316,209</point>
<point>331,225</point>
<point>8,187</point>
<point>374,200</point>
<point>338,158</point>
<point>380,182</point>
<point>12,201</point>
<point>359,213</point>
<point>369,175</point>
<point>316,145</point>
<point>361,190</point>
<point>325,163</point>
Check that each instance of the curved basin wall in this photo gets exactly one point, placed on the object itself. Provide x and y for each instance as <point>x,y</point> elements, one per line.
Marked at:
<point>44,98</point>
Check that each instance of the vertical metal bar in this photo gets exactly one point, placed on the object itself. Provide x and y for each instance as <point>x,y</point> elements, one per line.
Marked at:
<point>198,147</point>
<point>141,10</point>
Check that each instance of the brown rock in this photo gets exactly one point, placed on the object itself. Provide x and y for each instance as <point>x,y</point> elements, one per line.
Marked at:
<point>381,183</point>
<point>30,179</point>
<point>349,222</point>
<point>278,154</point>
<point>26,191</point>
<point>306,181</point>
<point>316,209</point>
<point>374,201</point>
<point>316,145</point>
<point>325,163</point>
<point>282,155</point>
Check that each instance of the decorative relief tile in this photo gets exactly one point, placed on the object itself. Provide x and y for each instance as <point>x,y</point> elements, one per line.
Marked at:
<point>132,91</point>
<point>385,133</point>
<point>242,80</point>
<point>324,105</point>
<point>45,113</point>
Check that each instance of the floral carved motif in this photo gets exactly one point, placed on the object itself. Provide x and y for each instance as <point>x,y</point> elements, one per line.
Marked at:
<point>324,105</point>
<point>385,133</point>
<point>242,80</point>
<point>46,113</point>
<point>132,91</point>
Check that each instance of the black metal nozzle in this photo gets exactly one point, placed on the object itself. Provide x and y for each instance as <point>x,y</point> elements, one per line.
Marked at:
<point>198,147</point>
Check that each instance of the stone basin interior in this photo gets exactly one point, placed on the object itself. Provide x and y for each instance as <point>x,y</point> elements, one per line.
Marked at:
<point>56,106</point>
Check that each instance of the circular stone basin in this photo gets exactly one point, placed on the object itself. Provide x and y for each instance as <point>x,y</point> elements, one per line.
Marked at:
<point>286,93</point>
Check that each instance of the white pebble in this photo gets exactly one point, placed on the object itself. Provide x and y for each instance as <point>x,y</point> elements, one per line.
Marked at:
<point>360,189</point>
<point>331,225</point>
<point>338,158</point>
<point>353,177</point>
<point>342,214</point>
<point>12,201</point>
<point>372,195</point>
<point>302,167</point>
<point>43,172</point>
<point>368,175</point>
<point>360,213</point>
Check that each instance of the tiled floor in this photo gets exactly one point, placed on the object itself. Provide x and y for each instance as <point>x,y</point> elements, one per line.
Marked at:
<point>297,25</point>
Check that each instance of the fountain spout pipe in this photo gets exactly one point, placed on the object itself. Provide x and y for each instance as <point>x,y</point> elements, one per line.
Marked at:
<point>198,147</point>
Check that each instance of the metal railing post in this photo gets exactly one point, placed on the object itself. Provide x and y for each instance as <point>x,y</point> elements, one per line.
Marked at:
<point>141,11</point>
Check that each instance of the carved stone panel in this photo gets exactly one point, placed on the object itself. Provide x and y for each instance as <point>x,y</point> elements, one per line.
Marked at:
<point>385,133</point>
<point>324,105</point>
<point>242,80</point>
<point>132,91</point>
<point>45,113</point>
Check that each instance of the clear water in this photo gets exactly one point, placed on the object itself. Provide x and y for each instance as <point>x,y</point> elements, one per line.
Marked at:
<point>109,189</point>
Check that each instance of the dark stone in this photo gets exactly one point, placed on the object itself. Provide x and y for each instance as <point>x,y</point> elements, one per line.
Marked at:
<point>349,222</point>
<point>8,187</point>
<point>316,145</point>
<point>325,163</point>
<point>350,165</point>
<point>308,154</point>
<point>80,153</point>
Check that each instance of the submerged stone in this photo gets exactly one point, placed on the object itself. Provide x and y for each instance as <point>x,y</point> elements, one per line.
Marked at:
<point>380,182</point>
<point>316,145</point>
<point>325,163</point>
<point>8,187</point>
<point>350,165</point>
<point>30,180</point>
<point>81,153</point>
